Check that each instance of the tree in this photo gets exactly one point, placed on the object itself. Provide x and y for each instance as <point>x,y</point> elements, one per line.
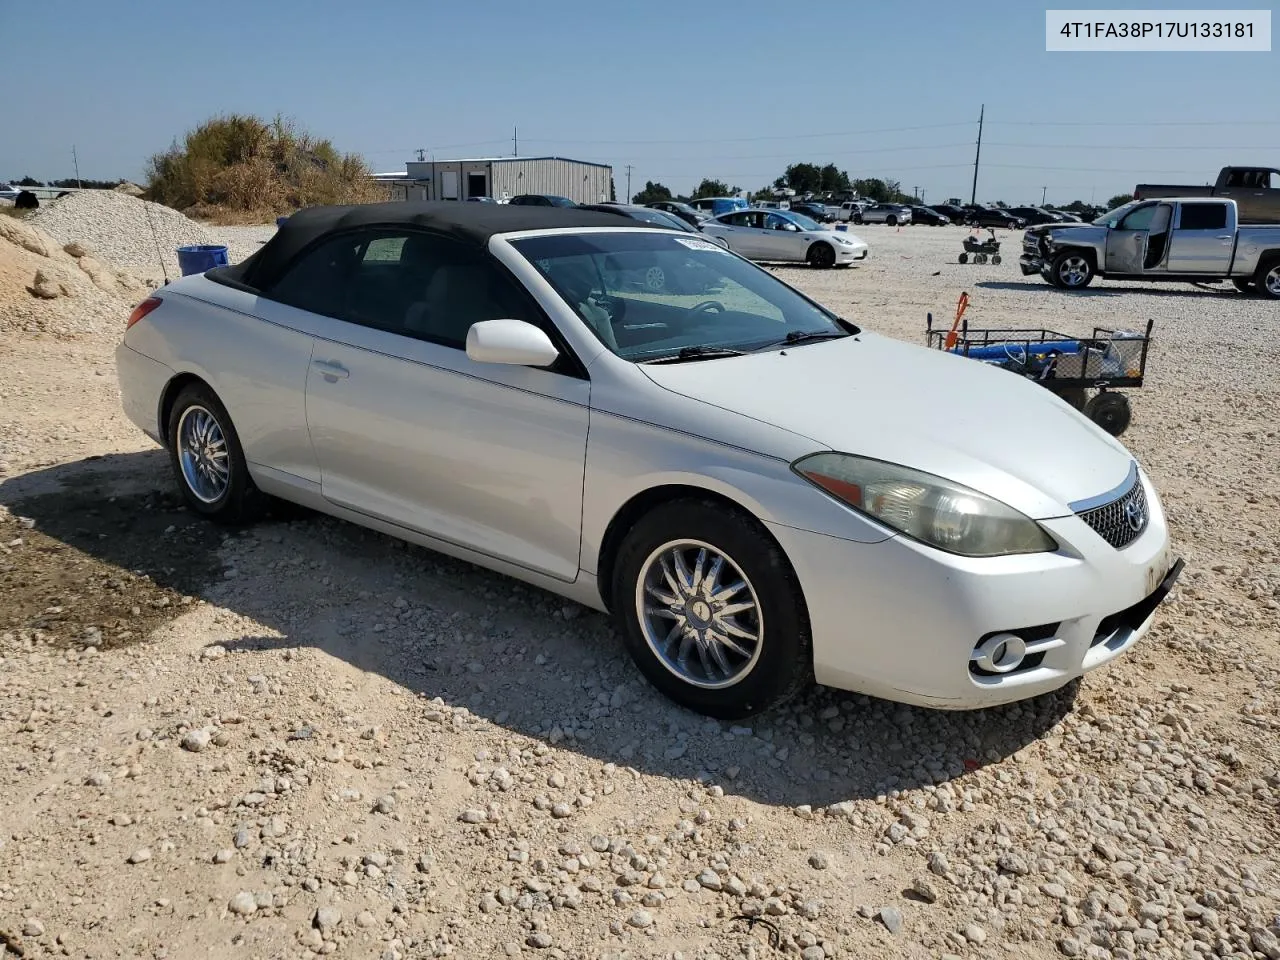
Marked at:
<point>652,193</point>
<point>714,188</point>
<point>1119,200</point>
<point>613,190</point>
<point>28,182</point>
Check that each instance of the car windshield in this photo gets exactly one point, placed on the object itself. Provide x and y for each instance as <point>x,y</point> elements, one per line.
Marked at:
<point>1116,214</point>
<point>650,295</point>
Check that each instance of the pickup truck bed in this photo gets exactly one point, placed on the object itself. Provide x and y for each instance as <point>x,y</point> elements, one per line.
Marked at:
<point>1187,239</point>
<point>1256,191</point>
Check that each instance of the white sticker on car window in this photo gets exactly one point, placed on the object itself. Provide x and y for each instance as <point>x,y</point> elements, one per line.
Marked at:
<point>695,244</point>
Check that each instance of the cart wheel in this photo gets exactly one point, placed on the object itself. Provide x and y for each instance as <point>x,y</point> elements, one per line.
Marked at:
<point>980,258</point>
<point>1110,411</point>
<point>964,258</point>
<point>996,258</point>
<point>1078,397</point>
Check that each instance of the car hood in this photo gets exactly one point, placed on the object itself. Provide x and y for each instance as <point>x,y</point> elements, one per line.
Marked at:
<point>962,419</point>
<point>1074,231</point>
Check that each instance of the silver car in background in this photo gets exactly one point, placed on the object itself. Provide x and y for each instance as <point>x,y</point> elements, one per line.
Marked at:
<point>887,213</point>
<point>785,236</point>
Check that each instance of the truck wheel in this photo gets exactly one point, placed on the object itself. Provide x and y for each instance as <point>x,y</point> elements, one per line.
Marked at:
<point>891,221</point>
<point>1072,270</point>
<point>1243,285</point>
<point>1268,279</point>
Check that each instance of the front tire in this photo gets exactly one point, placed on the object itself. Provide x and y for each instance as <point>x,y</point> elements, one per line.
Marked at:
<point>207,459</point>
<point>821,255</point>
<point>891,221</point>
<point>710,610</point>
<point>1072,270</point>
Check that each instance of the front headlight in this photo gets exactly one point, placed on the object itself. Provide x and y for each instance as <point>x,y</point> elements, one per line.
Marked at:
<point>946,515</point>
<point>845,240</point>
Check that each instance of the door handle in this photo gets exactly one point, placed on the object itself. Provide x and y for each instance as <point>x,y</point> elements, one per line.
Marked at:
<point>1225,237</point>
<point>331,370</point>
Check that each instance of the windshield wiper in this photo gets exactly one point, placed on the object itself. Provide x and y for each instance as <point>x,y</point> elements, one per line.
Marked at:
<point>696,353</point>
<point>807,336</point>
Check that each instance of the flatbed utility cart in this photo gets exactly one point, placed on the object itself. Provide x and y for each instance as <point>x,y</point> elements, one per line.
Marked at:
<point>1070,366</point>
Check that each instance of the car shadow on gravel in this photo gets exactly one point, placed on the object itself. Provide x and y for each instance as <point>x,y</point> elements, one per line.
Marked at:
<point>1114,291</point>
<point>489,647</point>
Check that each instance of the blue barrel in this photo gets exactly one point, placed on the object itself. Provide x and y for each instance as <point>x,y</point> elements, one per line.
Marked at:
<point>280,222</point>
<point>842,227</point>
<point>201,257</point>
<point>1016,350</point>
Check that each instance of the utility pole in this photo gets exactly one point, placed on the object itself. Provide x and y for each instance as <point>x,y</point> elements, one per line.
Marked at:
<point>76,162</point>
<point>628,183</point>
<point>973,197</point>
<point>422,154</point>
<point>515,141</point>
<point>1044,192</point>
<point>915,194</point>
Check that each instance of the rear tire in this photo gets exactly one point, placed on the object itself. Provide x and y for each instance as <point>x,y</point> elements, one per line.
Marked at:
<point>655,598</point>
<point>208,461</point>
<point>1267,280</point>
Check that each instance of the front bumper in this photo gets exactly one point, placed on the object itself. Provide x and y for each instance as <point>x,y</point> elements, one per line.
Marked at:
<point>854,253</point>
<point>900,620</point>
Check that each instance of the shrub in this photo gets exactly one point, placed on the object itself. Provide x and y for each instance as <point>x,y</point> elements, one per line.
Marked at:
<point>241,167</point>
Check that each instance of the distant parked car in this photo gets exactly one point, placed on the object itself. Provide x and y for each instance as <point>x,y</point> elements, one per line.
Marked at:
<point>541,200</point>
<point>648,215</point>
<point>930,216</point>
<point>814,211</point>
<point>994,217</point>
<point>850,208</point>
<point>1067,216</point>
<point>688,214</point>
<point>887,213</point>
<point>8,191</point>
<point>482,200</point>
<point>784,235</point>
<point>718,205</point>
<point>1035,215</point>
<point>956,214</point>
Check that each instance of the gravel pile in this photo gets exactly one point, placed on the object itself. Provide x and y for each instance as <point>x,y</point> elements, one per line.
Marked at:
<point>350,747</point>
<point>120,228</point>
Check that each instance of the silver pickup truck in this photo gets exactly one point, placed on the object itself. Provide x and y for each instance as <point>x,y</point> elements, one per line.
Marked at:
<point>1188,239</point>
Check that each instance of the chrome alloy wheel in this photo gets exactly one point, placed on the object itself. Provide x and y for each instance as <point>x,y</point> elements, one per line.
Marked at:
<point>202,452</point>
<point>1272,281</point>
<point>1073,271</point>
<point>699,614</point>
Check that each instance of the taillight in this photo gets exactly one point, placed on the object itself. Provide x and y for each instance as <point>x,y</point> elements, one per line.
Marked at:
<point>142,309</point>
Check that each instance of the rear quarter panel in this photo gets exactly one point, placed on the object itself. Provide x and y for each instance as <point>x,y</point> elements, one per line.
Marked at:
<point>257,369</point>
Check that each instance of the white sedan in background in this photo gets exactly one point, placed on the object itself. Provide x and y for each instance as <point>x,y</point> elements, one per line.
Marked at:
<point>712,461</point>
<point>783,235</point>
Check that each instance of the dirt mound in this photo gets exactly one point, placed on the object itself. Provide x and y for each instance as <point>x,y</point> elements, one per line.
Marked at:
<point>66,292</point>
<point>124,230</point>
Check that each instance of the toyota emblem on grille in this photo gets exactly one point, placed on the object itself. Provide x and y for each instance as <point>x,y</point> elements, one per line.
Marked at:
<point>1135,514</point>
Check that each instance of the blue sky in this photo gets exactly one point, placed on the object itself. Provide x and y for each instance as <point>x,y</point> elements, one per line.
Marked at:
<point>733,89</point>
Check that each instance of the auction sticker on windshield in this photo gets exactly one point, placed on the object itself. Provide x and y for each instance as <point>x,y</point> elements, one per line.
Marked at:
<point>700,244</point>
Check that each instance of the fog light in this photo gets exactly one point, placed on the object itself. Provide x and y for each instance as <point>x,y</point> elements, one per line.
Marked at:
<point>1001,653</point>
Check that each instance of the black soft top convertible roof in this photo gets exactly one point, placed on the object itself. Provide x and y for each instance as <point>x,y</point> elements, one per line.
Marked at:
<point>471,223</point>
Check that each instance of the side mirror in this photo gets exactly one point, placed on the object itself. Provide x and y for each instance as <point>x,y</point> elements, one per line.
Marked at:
<point>512,342</point>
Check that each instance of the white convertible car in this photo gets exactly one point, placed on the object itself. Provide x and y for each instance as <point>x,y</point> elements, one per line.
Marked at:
<point>762,492</point>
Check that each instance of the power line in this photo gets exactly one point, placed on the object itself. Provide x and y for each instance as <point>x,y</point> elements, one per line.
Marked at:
<point>1135,123</point>
<point>784,136</point>
<point>1118,146</point>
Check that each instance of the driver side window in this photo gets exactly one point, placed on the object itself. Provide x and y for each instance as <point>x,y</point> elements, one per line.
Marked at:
<point>1139,219</point>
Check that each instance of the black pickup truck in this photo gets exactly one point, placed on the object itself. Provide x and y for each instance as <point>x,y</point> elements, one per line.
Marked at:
<point>1256,191</point>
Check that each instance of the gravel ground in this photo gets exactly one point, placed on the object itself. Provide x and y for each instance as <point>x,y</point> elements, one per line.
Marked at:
<point>309,739</point>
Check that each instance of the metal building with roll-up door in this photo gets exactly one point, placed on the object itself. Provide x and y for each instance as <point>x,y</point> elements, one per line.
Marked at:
<point>501,178</point>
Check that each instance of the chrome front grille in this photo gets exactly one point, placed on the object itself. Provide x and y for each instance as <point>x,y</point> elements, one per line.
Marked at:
<point>1122,520</point>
